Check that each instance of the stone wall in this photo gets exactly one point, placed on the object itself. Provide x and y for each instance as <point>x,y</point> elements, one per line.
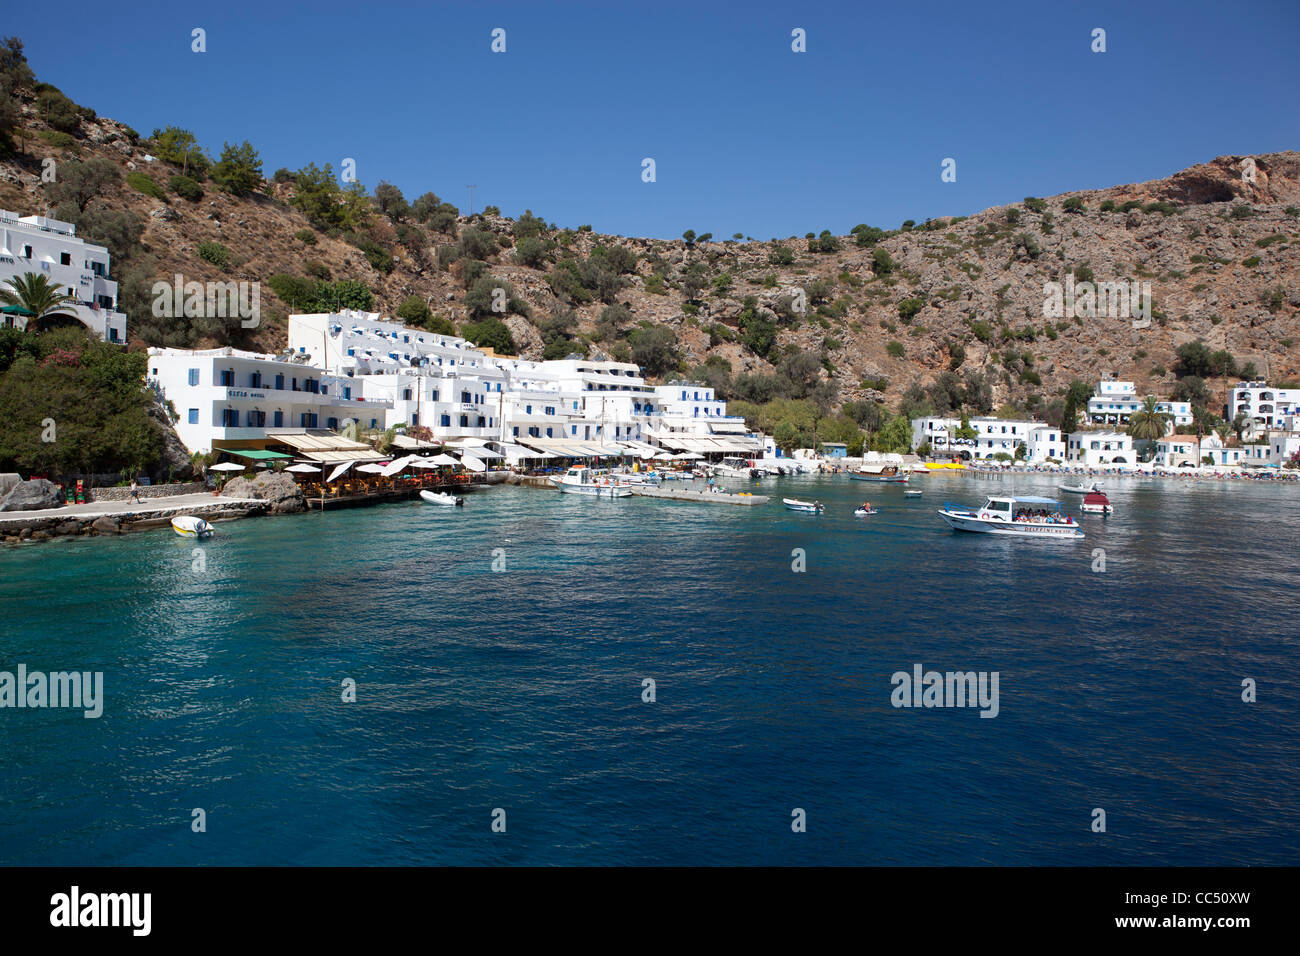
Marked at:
<point>122,493</point>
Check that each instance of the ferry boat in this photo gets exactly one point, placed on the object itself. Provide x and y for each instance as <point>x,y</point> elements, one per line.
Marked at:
<point>1095,503</point>
<point>889,473</point>
<point>1020,516</point>
<point>812,507</point>
<point>588,481</point>
<point>192,526</point>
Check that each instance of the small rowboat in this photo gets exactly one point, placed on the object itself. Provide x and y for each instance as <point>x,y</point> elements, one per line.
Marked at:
<point>812,507</point>
<point>863,512</point>
<point>1097,504</point>
<point>911,493</point>
<point>441,498</point>
<point>192,526</point>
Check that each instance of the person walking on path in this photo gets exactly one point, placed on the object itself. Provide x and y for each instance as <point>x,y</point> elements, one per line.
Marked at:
<point>135,493</point>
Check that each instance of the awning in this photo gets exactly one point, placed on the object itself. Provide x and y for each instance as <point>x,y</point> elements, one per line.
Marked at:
<point>254,454</point>
<point>303,469</point>
<point>481,453</point>
<point>412,444</point>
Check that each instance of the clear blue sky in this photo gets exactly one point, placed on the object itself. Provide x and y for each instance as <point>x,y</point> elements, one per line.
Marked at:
<point>747,135</point>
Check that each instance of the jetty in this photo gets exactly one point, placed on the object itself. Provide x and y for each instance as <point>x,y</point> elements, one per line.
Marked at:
<point>705,497</point>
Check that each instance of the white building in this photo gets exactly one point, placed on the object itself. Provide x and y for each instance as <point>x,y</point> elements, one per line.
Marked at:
<point>78,268</point>
<point>1177,451</point>
<point>692,418</point>
<point>1271,407</point>
<point>1115,402</point>
<point>228,395</point>
<point>1095,449</point>
<point>993,436</point>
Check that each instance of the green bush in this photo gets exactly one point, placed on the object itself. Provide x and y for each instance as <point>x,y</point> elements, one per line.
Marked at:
<point>215,253</point>
<point>908,308</point>
<point>1073,204</point>
<point>1035,204</point>
<point>781,256</point>
<point>490,333</point>
<point>305,236</point>
<point>145,184</point>
<point>882,262</point>
<point>895,349</point>
<point>186,188</point>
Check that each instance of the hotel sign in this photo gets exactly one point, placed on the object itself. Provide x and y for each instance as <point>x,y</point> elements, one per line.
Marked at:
<point>239,393</point>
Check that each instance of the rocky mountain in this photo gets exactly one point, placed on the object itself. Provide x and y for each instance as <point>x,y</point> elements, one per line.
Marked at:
<point>846,317</point>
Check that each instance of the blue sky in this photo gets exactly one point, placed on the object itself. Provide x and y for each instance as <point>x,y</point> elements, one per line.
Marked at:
<point>747,135</point>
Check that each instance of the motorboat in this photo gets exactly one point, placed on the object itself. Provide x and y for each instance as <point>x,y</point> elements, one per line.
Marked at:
<point>1095,503</point>
<point>886,473</point>
<point>812,507</point>
<point>192,526</point>
<point>1081,489</point>
<point>441,498</point>
<point>1020,516</point>
<point>912,493</point>
<point>735,468</point>
<point>863,512</point>
<point>581,480</point>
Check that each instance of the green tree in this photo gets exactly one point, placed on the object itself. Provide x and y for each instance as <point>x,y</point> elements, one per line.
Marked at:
<point>239,170</point>
<point>33,293</point>
<point>654,348</point>
<point>1148,423</point>
<point>490,333</point>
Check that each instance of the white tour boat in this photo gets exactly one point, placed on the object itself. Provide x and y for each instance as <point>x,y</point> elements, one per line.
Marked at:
<point>192,526</point>
<point>884,473</point>
<point>587,481</point>
<point>812,507</point>
<point>1021,516</point>
<point>441,498</point>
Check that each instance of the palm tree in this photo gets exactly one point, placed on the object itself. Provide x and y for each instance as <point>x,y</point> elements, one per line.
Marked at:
<point>1148,422</point>
<point>33,294</point>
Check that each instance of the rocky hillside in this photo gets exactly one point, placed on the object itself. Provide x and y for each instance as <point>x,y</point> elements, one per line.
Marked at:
<point>880,310</point>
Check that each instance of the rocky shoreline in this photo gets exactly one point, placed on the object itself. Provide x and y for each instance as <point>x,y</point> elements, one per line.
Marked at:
<point>18,528</point>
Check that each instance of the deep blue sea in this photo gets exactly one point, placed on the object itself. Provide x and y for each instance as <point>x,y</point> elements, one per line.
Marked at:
<point>521,689</point>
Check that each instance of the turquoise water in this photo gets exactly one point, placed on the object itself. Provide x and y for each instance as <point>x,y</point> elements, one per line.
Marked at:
<point>521,689</point>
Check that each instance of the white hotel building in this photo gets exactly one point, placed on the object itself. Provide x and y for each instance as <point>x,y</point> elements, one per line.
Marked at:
<point>78,268</point>
<point>993,436</point>
<point>229,396</point>
<point>1269,406</point>
<point>1115,402</point>
<point>1101,449</point>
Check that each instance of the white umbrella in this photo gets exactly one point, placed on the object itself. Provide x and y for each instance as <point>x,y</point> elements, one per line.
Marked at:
<point>303,469</point>
<point>443,460</point>
<point>339,470</point>
<point>393,467</point>
<point>483,453</point>
<point>691,456</point>
<point>423,463</point>
<point>371,469</point>
<point>227,466</point>
<point>472,463</point>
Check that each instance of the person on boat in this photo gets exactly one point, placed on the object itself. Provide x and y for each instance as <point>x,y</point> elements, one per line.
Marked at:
<point>866,506</point>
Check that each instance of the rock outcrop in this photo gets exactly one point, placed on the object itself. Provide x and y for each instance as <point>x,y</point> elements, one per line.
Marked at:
<point>32,495</point>
<point>279,491</point>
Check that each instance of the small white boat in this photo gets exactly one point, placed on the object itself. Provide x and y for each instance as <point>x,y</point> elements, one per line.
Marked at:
<point>1081,489</point>
<point>863,512</point>
<point>1019,516</point>
<point>587,481</point>
<point>911,493</point>
<point>192,526</point>
<point>1096,503</point>
<point>882,473</point>
<point>441,498</point>
<point>812,507</point>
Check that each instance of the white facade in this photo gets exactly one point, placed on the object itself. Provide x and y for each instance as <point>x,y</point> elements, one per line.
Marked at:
<point>1177,451</point>
<point>231,395</point>
<point>1272,407</point>
<point>1115,402</point>
<point>993,436</point>
<point>78,268</point>
<point>1094,449</point>
<point>693,410</point>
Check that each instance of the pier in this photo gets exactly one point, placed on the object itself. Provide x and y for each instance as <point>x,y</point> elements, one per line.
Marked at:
<point>705,497</point>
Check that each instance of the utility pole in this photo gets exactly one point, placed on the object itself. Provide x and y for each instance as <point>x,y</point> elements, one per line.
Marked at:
<point>471,189</point>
